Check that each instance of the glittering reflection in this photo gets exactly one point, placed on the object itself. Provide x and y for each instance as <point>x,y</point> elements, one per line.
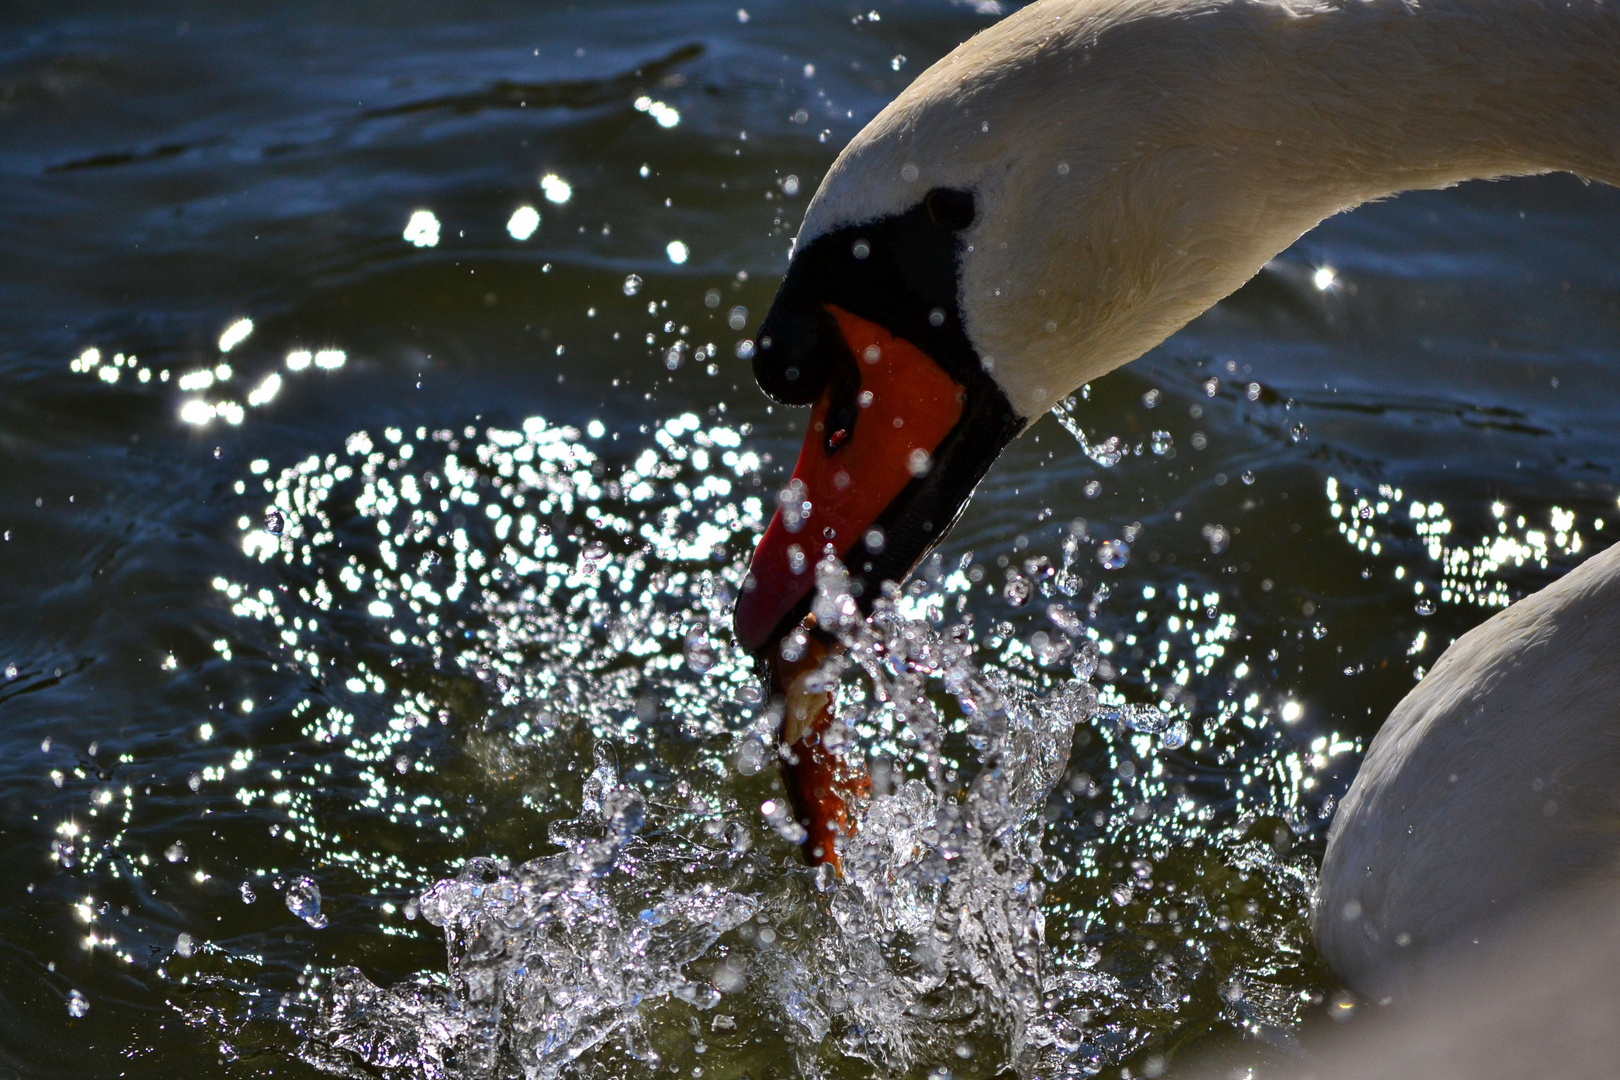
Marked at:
<point>1485,571</point>
<point>508,717</point>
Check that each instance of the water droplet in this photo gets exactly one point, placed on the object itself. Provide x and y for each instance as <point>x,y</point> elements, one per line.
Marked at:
<point>1297,433</point>
<point>304,901</point>
<point>751,757</point>
<point>1065,620</point>
<point>274,522</point>
<point>1017,590</point>
<point>1424,606</point>
<point>1162,443</point>
<point>183,945</point>
<point>1113,554</point>
<point>632,284</point>
<point>248,895</point>
<point>1085,659</point>
<point>699,652</point>
<point>77,1003</point>
<point>1176,735</point>
<point>175,852</point>
<point>794,645</point>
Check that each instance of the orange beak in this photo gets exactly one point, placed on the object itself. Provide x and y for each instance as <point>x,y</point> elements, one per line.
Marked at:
<point>854,464</point>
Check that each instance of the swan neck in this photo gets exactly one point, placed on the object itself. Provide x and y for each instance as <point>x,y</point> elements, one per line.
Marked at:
<point>1468,89</point>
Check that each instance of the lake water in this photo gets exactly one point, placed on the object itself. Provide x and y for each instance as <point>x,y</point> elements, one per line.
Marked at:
<point>366,688</point>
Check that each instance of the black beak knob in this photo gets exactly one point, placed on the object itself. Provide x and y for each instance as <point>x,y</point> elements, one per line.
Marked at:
<point>794,353</point>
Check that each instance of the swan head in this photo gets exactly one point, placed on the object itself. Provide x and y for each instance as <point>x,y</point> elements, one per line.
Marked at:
<point>1037,209</point>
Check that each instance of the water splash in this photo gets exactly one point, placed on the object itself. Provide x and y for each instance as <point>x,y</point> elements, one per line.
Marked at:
<point>484,610</point>
<point>932,943</point>
<point>304,900</point>
<point>1106,453</point>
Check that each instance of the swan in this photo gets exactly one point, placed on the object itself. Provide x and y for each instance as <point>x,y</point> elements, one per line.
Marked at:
<point>1074,184</point>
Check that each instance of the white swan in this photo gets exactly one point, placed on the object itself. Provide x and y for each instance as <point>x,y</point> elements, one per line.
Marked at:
<point>1064,191</point>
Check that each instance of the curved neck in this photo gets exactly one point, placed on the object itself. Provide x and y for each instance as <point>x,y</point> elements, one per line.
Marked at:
<point>1394,96</point>
<point>1199,138</point>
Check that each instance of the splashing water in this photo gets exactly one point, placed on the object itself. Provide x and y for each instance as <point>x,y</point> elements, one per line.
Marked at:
<point>483,610</point>
<point>304,900</point>
<point>933,942</point>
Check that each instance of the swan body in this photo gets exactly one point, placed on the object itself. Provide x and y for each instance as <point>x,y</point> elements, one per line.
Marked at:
<point>1064,191</point>
<point>1495,782</point>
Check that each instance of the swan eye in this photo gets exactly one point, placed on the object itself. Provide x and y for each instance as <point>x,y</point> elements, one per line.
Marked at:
<point>951,208</point>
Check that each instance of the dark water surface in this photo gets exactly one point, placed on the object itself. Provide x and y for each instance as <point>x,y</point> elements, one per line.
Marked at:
<point>388,610</point>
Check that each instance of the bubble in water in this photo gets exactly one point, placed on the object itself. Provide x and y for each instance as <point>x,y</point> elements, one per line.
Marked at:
<point>699,652</point>
<point>175,852</point>
<point>632,284</point>
<point>274,522</point>
<point>1065,620</point>
<point>248,895</point>
<point>780,818</point>
<point>1113,554</point>
<point>751,757</point>
<point>1297,433</point>
<point>1017,590</point>
<point>794,645</point>
<point>183,945</point>
<point>77,1003</point>
<point>1425,606</point>
<point>304,901</point>
<point>794,502</point>
<point>1161,442</point>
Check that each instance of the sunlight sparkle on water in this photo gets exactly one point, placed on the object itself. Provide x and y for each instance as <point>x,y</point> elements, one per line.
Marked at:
<point>423,229</point>
<point>485,609</point>
<point>666,115</point>
<point>524,221</point>
<point>235,334</point>
<point>556,189</point>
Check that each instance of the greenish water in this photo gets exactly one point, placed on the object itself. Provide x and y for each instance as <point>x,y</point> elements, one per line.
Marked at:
<point>457,585</point>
